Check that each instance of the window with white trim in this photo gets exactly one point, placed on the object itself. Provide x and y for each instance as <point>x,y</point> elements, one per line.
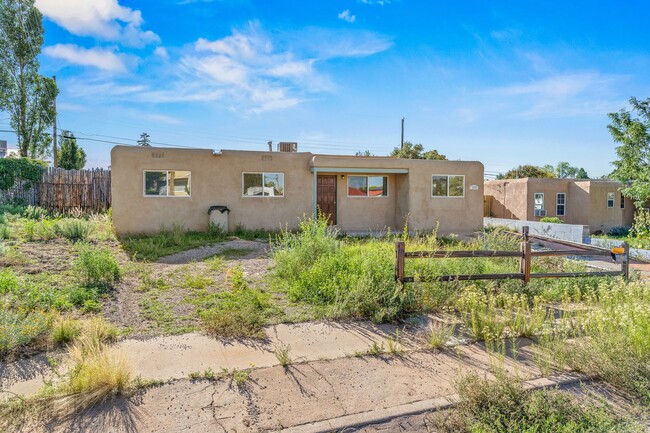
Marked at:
<point>167,183</point>
<point>610,199</point>
<point>560,204</point>
<point>447,185</point>
<point>263,184</point>
<point>367,186</point>
<point>538,201</point>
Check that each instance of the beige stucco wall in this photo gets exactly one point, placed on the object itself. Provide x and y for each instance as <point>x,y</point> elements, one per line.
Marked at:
<point>509,198</point>
<point>586,201</point>
<point>600,216</point>
<point>460,215</point>
<point>217,180</point>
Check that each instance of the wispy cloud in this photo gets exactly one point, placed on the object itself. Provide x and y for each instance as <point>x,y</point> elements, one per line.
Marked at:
<point>347,16</point>
<point>100,58</point>
<point>376,2</point>
<point>249,70</point>
<point>562,94</point>
<point>103,19</point>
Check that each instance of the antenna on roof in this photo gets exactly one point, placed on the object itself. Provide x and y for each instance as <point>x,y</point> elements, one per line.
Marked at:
<point>270,146</point>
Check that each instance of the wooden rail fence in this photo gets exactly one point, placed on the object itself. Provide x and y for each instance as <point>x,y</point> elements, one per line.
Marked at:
<point>65,191</point>
<point>525,255</point>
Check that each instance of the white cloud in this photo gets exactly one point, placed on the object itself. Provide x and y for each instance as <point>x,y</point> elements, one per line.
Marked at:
<point>568,94</point>
<point>375,2</point>
<point>103,19</point>
<point>248,70</point>
<point>100,58</point>
<point>161,52</point>
<point>347,16</point>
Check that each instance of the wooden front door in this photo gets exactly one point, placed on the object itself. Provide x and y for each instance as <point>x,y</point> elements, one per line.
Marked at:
<point>326,197</point>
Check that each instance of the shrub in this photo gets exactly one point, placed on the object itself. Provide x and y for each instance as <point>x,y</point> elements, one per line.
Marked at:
<point>553,220</point>
<point>5,233</point>
<point>35,213</point>
<point>641,226</point>
<point>75,229</point>
<point>241,313</point>
<point>620,231</point>
<point>97,267</point>
<point>504,406</point>
<point>65,330</point>
<point>19,329</point>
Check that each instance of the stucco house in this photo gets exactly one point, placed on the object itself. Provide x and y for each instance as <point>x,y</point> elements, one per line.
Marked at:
<point>598,204</point>
<point>154,188</point>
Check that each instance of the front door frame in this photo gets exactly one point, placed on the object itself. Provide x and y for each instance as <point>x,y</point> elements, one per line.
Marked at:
<point>333,220</point>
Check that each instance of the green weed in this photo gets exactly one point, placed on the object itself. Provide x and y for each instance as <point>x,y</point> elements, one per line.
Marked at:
<point>75,229</point>
<point>283,354</point>
<point>96,266</point>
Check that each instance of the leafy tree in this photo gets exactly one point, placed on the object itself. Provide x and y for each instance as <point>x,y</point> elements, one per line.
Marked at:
<point>564,170</point>
<point>364,153</point>
<point>19,169</point>
<point>633,164</point>
<point>582,174</point>
<point>144,140</point>
<point>71,156</point>
<point>27,96</point>
<point>523,171</point>
<point>416,151</point>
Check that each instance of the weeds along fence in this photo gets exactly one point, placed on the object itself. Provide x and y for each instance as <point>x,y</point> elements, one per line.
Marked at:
<point>525,255</point>
<point>64,191</point>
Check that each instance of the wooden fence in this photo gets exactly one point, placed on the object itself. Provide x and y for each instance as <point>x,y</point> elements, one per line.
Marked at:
<point>525,254</point>
<point>65,191</point>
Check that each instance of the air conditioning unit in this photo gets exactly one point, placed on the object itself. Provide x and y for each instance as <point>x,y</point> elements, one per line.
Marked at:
<point>540,212</point>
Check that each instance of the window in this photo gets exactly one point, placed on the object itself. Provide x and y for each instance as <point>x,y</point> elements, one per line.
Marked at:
<point>367,186</point>
<point>610,199</point>
<point>538,201</point>
<point>263,184</point>
<point>560,204</point>
<point>622,201</point>
<point>447,185</point>
<point>167,183</point>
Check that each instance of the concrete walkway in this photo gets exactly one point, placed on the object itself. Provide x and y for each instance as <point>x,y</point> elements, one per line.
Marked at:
<point>305,397</point>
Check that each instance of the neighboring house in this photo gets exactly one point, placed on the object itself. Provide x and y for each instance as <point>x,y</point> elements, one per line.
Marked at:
<point>154,188</point>
<point>5,151</point>
<point>598,204</point>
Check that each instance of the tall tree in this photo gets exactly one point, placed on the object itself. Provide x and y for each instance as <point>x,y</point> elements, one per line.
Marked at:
<point>26,95</point>
<point>523,171</point>
<point>71,156</point>
<point>564,170</point>
<point>416,151</point>
<point>144,140</point>
<point>633,164</point>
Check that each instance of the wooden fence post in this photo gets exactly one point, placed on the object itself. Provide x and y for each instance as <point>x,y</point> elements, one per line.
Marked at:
<point>524,233</point>
<point>399,261</point>
<point>625,263</point>
<point>524,266</point>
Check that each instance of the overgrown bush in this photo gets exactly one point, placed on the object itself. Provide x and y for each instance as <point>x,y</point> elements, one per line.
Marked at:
<point>239,313</point>
<point>19,329</point>
<point>613,338</point>
<point>621,231</point>
<point>35,213</point>
<point>553,220</point>
<point>503,406</point>
<point>96,266</point>
<point>65,330</point>
<point>641,226</point>
<point>75,229</point>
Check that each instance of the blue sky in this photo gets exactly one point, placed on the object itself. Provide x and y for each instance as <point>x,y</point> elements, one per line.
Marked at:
<point>505,83</point>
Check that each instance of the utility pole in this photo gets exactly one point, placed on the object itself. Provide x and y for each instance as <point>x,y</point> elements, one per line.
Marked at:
<point>402,146</point>
<point>56,157</point>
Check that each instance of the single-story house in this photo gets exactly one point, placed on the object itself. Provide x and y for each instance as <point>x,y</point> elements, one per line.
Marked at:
<point>156,188</point>
<point>598,204</point>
